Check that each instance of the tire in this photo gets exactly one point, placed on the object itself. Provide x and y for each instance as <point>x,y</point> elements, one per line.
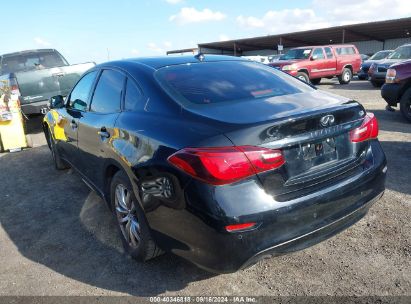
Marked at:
<point>362,77</point>
<point>303,76</point>
<point>59,163</point>
<point>131,221</point>
<point>376,84</point>
<point>316,81</point>
<point>405,105</point>
<point>345,76</point>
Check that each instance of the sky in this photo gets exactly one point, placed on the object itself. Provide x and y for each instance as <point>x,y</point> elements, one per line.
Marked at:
<point>100,30</point>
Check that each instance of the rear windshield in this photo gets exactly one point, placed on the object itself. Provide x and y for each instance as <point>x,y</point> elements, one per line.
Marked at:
<point>403,52</point>
<point>296,54</point>
<point>226,81</point>
<point>380,55</point>
<point>31,61</point>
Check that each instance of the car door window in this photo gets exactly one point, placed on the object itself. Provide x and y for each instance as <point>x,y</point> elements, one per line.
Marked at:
<point>328,52</point>
<point>134,98</point>
<point>108,92</point>
<point>79,97</point>
<point>318,54</point>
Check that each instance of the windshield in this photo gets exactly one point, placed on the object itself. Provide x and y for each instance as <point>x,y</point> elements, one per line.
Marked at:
<point>403,52</point>
<point>226,81</point>
<point>31,61</point>
<point>296,54</point>
<point>380,55</point>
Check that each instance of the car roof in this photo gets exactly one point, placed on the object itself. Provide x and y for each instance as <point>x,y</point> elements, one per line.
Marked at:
<point>159,62</point>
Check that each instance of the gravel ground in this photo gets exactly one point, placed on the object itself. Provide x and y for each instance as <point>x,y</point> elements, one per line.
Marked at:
<point>57,237</point>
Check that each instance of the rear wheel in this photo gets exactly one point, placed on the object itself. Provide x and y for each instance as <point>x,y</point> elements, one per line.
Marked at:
<point>345,76</point>
<point>405,105</point>
<point>303,76</point>
<point>134,230</point>
<point>316,81</point>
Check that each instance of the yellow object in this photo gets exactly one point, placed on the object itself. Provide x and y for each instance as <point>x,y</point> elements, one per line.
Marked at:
<point>59,133</point>
<point>12,134</point>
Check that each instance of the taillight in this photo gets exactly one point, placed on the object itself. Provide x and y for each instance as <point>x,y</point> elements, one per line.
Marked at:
<point>368,129</point>
<point>239,227</point>
<point>224,165</point>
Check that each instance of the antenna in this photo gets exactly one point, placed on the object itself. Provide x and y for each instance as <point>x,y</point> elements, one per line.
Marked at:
<point>108,55</point>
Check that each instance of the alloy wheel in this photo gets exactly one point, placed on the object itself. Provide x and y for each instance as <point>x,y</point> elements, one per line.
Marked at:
<point>127,216</point>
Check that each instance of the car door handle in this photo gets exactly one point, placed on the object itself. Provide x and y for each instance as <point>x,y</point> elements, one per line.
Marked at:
<point>73,124</point>
<point>104,133</point>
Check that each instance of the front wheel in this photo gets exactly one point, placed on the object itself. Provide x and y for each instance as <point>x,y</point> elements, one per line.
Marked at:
<point>345,76</point>
<point>59,163</point>
<point>405,105</point>
<point>134,230</point>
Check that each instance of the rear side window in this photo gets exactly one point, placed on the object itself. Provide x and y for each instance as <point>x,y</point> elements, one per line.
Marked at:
<point>345,50</point>
<point>208,83</point>
<point>79,96</point>
<point>328,52</point>
<point>318,54</point>
<point>134,98</point>
<point>107,95</point>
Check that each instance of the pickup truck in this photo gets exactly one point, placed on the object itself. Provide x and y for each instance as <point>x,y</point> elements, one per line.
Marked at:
<point>311,63</point>
<point>397,88</point>
<point>37,75</point>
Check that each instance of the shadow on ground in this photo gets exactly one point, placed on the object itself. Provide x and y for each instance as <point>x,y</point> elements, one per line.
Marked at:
<point>354,85</point>
<point>58,222</point>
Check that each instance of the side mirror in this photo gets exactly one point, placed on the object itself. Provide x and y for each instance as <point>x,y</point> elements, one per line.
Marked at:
<point>79,105</point>
<point>313,58</point>
<point>56,102</point>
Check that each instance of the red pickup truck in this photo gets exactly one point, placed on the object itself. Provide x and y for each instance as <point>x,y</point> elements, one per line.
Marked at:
<point>311,63</point>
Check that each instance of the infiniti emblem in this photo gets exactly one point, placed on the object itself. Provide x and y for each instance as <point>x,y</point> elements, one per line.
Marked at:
<point>327,120</point>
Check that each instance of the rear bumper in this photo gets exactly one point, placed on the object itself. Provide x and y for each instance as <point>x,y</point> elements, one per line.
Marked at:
<point>391,93</point>
<point>315,236</point>
<point>197,233</point>
<point>35,107</point>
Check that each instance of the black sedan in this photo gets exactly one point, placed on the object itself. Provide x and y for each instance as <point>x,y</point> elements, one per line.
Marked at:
<point>217,159</point>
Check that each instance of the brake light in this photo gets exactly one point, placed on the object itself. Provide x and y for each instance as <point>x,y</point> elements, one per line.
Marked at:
<point>239,227</point>
<point>224,165</point>
<point>368,129</point>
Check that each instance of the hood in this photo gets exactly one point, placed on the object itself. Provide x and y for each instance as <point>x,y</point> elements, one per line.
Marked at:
<point>272,108</point>
<point>406,62</point>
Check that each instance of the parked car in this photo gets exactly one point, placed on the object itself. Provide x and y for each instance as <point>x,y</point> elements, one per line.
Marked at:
<point>37,75</point>
<point>376,58</point>
<point>397,88</point>
<point>312,63</point>
<point>378,70</point>
<point>258,58</point>
<point>220,160</point>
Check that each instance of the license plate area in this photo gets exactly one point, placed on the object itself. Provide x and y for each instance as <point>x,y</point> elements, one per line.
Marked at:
<point>319,152</point>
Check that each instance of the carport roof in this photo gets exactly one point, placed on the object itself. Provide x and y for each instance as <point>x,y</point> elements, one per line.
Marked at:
<point>379,30</point>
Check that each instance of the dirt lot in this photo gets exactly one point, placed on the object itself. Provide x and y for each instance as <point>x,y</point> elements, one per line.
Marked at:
<point>57,237</point>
